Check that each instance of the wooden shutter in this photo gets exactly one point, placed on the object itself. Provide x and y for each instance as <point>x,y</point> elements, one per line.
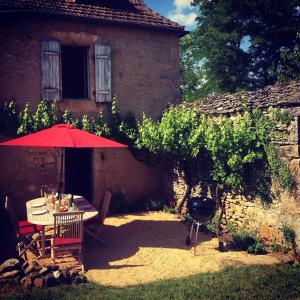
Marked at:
<point>103,73</point>
<point>50,57</point>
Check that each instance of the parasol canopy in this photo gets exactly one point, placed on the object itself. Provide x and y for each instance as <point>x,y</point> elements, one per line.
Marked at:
<point>63,136</point>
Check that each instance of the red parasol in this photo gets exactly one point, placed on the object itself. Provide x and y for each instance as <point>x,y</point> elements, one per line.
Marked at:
<point>64,136</point>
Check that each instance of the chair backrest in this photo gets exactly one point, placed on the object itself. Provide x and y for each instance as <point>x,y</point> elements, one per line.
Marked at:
<point>68,225</point>
<point>104,206</point>
<point>11,213</point>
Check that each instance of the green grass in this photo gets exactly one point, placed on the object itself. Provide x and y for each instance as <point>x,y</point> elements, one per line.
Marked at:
<point>253,282</point>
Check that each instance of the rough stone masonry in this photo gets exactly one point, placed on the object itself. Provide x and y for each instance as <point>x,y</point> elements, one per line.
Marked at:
<point>285,209</point>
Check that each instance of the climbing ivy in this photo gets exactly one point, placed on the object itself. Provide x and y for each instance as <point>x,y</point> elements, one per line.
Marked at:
<point>45,115</point>
<point>26,121</point>
<point>87,124</point>
<point>234,154</point>
<point>101,127</point>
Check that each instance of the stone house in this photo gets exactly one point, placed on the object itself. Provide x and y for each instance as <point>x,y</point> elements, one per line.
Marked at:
<point>82,53</point>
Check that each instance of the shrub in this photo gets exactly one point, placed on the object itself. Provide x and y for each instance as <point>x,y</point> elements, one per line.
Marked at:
<point>288,234</point>
<point>289,237</point>
<point>243,239</point>
<point>257,248</point>
<point>212,225</point>
<point>247,241</point>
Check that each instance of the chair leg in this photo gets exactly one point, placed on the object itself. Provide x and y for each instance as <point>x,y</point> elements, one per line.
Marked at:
<point>52,249</point>
<point>31,246</point>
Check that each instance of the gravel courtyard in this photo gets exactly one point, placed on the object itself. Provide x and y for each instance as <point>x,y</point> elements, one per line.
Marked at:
<point>147,247</point>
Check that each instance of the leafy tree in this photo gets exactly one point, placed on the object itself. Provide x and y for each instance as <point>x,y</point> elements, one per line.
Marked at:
<point>218,43</point>
<point>290,69</point>
<point>178,137</point>
<point>194,83</point>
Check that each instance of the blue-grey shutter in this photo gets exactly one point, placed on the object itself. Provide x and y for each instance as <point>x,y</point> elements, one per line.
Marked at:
<point>50,64</point>
<point>103,73</point>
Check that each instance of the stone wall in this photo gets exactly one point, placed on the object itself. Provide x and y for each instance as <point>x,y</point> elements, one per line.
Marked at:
<point>145,63</point>
<point>285,209</point>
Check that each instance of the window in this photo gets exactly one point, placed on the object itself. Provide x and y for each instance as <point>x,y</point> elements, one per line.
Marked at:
<point>74,72</point>
<point>64,72</point>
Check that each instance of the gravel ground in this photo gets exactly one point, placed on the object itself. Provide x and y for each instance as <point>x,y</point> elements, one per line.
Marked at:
<point>147,247</point>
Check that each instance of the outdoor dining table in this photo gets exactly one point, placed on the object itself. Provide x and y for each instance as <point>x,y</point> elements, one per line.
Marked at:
<point>39,214</point>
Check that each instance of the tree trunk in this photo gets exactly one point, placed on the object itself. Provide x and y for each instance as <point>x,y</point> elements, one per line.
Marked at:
<point>221,205</point>
<point>184,198</point>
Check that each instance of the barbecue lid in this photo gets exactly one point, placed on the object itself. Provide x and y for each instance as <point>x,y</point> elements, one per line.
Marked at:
<point>202,209</point>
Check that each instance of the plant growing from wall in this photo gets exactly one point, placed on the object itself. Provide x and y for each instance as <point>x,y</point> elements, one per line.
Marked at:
<point>101,128</point>
<point>115,119</point>
<point>67,117</point>
<point>45,115</point>
<point>87,124</point>
<point>26,121</point>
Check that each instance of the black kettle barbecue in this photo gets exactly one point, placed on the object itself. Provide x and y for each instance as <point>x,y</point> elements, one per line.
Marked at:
<point>202,210</point>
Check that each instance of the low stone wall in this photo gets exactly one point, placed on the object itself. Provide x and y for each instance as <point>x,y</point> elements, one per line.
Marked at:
<point>265,220</point>
<point>285,209</point>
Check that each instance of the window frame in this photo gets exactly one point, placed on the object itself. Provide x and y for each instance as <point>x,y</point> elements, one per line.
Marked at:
<point>87,59</point>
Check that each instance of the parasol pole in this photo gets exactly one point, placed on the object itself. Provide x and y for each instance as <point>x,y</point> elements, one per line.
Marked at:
<point>61,183</point>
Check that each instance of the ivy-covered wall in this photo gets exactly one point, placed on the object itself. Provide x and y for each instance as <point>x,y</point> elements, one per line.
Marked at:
<point>266,219</point>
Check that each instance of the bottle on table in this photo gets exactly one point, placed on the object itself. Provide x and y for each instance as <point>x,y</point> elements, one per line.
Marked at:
<point>52,199</point>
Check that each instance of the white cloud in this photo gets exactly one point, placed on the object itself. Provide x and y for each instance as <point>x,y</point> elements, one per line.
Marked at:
<point>186,19</point>
<point>182,4</point>
<point>182,13</point>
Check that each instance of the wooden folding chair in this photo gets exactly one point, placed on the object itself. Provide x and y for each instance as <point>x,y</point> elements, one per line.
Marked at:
<point>68,232</point>
<point>27,233</point>
<point>95,225</point>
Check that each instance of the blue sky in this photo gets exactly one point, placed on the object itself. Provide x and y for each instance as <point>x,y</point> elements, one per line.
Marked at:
<point>179,11</point>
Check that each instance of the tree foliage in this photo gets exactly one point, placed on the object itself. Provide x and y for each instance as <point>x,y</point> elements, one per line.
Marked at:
<point>194,83</point>
<point>240,45</point>
<point>290,69</point>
